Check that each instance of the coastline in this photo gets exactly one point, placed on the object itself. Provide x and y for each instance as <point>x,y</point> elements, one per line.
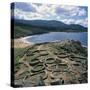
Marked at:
<point>21,43</point>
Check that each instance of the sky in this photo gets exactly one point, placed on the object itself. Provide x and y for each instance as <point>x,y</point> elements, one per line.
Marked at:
<point>64,13</point>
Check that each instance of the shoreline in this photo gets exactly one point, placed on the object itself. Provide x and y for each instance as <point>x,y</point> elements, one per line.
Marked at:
<point>24,39</point>
<point>21,43</point>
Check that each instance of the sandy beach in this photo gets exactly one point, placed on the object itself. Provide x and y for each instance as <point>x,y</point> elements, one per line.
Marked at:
<point>21,43</point>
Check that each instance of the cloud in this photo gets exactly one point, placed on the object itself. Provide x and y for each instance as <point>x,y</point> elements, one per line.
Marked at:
<point>19,14</point>
<point>83,22</point>
<point>82,12</point>
<point>69,21</point>
<point>24,7</point>
<point>67,14</point>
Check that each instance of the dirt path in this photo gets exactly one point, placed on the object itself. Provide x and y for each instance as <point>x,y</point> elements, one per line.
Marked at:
<point>39,47</point>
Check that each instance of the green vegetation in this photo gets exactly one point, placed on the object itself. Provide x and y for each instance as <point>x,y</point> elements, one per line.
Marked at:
<point>34,27</point>
<point>18,53</point>
<point>22,30</point>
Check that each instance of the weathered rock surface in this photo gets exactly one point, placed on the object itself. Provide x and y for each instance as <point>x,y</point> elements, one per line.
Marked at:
<point>55,63</point>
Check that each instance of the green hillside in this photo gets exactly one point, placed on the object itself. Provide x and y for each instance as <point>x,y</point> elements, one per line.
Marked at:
<point>24,28</point>
<point>21,30</point>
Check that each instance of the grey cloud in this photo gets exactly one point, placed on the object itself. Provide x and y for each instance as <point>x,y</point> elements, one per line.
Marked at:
<point>24,7</point>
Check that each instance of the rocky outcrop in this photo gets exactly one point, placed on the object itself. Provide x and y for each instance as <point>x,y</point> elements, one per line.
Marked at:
<point>54,63</point>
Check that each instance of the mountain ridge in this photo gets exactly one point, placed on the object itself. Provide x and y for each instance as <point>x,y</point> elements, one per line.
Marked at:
<point>24,28</point>
<point>47,23</point>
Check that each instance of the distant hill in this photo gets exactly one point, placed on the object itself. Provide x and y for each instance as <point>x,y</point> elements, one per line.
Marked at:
<point>30,27</point>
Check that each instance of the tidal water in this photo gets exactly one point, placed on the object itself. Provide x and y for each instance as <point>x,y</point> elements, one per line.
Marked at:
<point>57,36</point>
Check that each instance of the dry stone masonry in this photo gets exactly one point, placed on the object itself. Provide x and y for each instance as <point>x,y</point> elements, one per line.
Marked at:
<point>55,63</point>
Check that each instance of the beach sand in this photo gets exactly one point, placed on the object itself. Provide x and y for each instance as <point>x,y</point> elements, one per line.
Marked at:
<point>21,43</point>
